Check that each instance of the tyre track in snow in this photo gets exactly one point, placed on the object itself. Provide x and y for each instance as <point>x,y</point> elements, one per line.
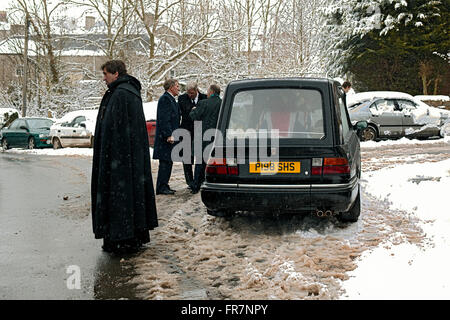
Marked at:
<point>195,256</point>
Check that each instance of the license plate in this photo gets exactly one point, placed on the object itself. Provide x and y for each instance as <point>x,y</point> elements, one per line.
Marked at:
<point>274,167</point>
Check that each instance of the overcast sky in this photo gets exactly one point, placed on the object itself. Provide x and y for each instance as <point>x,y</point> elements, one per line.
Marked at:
<point>74,11</point>
<point>4,4</point>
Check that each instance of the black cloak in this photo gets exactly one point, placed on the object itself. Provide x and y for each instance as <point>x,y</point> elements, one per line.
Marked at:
<point>123,198</point>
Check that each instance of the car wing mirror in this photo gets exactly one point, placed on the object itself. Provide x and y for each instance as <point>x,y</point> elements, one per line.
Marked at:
<point>24,128</point>
<point>83,125</point>
<point>360,125</point>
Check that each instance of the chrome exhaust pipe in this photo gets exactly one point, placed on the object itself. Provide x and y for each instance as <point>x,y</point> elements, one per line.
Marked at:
<point>319,213</point>
<point>328,213</point>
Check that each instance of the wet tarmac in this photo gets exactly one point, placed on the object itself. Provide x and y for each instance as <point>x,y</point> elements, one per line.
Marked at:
<point>46,230</point>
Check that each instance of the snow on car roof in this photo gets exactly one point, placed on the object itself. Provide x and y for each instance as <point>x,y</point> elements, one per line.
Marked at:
<point>90,114</point>
<point>353,99</point>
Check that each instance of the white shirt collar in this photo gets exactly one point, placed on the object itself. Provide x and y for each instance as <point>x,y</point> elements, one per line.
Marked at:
<point>171,94</point>
<point>196,98</point>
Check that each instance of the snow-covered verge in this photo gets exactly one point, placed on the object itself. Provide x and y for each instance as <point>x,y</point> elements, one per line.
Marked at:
<point>84,152</point>
<point>402,141</point>
<point>408,271</point>
<point>87,152</point>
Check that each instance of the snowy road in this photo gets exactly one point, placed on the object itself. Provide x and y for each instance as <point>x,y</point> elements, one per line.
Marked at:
<point>41,234</point>
<point>195,256</point>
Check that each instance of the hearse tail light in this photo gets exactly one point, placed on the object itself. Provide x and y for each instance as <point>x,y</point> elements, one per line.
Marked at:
<point>329,166</point>
<point>220,166</point>
<point>336,166</point>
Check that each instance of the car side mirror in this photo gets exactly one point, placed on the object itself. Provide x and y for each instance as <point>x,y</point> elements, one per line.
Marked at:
<point>24,128</point>
<point>360,125</point>
<point>82,124</point>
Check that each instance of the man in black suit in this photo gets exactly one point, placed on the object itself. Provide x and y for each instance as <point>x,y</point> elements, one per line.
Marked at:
<point>167,121</point>
<point>207,112</point>
<point>187,101</point>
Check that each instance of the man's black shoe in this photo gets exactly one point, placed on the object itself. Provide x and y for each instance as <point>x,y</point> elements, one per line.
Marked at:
<point>172,189</point>
<point>165,192</point>
<point>194,191</point>
<point>191,186</point>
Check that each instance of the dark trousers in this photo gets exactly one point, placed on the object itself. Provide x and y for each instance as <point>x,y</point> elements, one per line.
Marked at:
<point>188,173</point>
<point>187,167</point>
<point>199,175</point>
<point>164,172</point>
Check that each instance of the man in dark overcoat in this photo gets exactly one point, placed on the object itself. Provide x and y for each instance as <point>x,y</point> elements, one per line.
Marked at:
<point>123,199</point>
<point>187,101</point>
<point>167,121</point>
<point>207,112</point>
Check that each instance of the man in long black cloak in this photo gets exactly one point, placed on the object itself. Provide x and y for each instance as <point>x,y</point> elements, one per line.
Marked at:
<point>123,198</point>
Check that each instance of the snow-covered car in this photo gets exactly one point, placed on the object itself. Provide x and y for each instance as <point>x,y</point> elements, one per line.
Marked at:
<point>354,100</point>
<point>390,117</point>
<point>75,129</point>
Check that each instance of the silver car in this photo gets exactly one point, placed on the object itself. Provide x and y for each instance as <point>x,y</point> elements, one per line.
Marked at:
<point>400,117</point>
<point>75,129</point>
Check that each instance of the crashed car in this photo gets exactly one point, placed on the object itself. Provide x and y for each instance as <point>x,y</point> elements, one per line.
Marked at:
<point>75,129</point>
<point>356,99</point>
<point>390,118</point>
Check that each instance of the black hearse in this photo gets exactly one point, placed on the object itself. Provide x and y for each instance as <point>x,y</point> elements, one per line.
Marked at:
<point>284,145</point>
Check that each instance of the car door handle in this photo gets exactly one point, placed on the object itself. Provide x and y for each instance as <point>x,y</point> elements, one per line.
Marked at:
<point>74,130</point>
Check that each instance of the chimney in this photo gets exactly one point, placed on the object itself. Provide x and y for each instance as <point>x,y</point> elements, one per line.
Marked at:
<point>89,22</point>
<point>3,16</point>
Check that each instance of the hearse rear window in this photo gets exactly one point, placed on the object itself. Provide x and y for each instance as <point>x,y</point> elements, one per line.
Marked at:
<point>288,112</point>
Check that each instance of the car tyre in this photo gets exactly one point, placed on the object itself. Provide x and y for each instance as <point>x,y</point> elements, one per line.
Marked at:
<point>353,214</point>
<point>31,143</point>
<point>5,145</point>
<point>56,143</point>
<point>220,213</point>
<point>368,134</point>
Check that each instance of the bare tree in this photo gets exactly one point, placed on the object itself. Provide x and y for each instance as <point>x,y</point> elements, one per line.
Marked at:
<point>114,16</point>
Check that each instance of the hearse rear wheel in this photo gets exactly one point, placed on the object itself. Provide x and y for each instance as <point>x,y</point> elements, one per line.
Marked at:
<point>353,214</point>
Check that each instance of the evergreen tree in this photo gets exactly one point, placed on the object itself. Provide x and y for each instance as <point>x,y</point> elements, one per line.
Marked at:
<point>400,50</point>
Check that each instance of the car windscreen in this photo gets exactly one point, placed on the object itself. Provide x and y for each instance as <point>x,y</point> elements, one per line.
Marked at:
<point>286,112</point>
<point>39,123</point>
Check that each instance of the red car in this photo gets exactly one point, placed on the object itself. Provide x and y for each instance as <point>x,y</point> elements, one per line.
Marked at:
<point>151,129</point>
